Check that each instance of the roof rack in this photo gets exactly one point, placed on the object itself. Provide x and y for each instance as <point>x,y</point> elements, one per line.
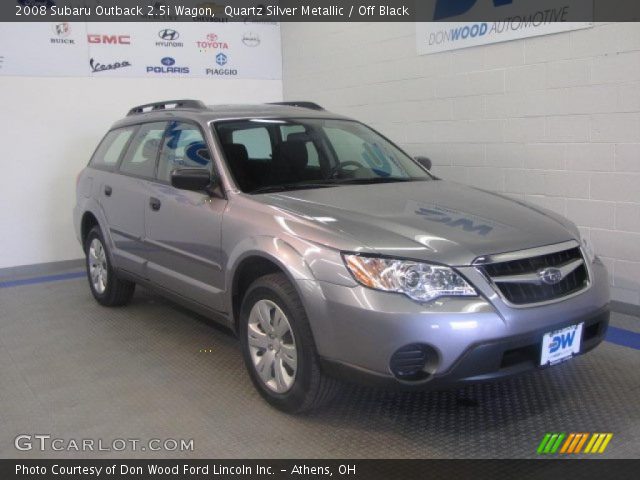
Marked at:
<point>168,104</point>
<point>303,104</point>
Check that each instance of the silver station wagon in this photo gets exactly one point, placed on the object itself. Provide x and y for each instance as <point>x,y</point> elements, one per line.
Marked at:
<point>331,252</point>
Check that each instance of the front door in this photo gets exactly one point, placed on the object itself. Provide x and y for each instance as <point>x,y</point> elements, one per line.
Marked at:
<point>183,228</point>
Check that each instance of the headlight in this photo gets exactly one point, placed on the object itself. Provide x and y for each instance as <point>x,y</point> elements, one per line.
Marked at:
<point>419,281</point>
<point>588,249</point>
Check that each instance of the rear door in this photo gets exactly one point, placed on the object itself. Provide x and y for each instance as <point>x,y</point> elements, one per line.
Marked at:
<point>183,228</point>
<point>125,195</point>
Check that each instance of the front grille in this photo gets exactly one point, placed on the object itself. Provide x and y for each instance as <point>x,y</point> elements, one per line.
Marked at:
<point>522,293</point>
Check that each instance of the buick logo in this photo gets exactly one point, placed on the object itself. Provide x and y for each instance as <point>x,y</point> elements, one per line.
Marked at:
<point>167,61</point>
<point>550,276</point>
<point>168,34</point>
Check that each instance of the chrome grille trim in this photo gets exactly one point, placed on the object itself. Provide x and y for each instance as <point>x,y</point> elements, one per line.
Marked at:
<point>481,263</point>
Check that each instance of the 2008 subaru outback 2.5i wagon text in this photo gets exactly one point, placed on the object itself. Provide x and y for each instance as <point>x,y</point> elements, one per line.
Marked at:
<point>331,252</point>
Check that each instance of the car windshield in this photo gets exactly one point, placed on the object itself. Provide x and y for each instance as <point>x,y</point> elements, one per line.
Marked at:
<point>269,155</point>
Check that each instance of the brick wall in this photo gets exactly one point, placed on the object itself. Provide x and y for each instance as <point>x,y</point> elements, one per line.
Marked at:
<point>554,120</point>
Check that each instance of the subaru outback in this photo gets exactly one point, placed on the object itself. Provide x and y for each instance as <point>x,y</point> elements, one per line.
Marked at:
<point>331,252</point>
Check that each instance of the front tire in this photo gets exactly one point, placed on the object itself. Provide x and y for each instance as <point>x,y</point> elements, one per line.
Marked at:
<point>278,347</point>
<point>106,287</point>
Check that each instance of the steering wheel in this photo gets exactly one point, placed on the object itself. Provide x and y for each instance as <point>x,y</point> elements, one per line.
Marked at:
<point>342,165</point>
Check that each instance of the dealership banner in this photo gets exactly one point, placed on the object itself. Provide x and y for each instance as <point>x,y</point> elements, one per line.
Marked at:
<point>517,20</point>
<point>141,49</point>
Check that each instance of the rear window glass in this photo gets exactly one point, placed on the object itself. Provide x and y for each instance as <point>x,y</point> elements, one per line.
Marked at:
<point>111,147</point>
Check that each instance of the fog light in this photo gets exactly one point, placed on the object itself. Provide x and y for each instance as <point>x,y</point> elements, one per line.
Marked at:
<point>413,362</point>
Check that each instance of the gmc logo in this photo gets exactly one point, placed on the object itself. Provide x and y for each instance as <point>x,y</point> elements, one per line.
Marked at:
<point>110,39</point>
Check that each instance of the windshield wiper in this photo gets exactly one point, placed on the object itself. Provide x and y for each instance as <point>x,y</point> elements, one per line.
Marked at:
<point>366,181</point>
<point>290,186</point>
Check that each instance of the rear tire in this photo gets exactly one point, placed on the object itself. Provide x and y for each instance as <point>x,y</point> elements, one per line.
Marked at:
<point>284,340</point>
<point>106,287</point>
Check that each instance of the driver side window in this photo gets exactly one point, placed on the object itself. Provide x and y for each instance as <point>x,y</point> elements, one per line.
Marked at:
<point>183,146</point>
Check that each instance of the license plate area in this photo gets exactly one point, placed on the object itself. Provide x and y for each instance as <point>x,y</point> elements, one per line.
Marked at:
<point>561,345</point>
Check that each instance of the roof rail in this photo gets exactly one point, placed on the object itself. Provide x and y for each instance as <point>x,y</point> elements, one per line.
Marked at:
<point>152,107</point>
<point>302,104</point>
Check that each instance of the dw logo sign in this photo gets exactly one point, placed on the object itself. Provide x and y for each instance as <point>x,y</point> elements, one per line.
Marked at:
<point>453,8</point>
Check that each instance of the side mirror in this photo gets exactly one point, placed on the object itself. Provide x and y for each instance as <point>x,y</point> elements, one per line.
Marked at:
<point>424,161</point>
<point>196,179</point>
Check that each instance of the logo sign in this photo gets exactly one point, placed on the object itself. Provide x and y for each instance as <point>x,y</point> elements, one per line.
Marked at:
<point>168,66</point>
<point>213,42</point>
<point>109,39</point>
<point>221,59</point>
<point>97,67</point>
<point>62,29</point>
<point>169,34</point>
<point>518,19</point>
<point>251,39</point>
<point>550,275</point>
<point>574,443</point>
<point>1,61</point>
<point>169,38</point>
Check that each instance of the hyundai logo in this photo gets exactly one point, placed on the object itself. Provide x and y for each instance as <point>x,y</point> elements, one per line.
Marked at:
<point>550,275</point>
<point>168,34</point>
<point>168,61</point>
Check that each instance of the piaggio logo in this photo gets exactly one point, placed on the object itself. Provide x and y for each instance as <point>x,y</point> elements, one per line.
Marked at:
<point>109,39</point>
<point>453,8</point>
<point>573,443</point>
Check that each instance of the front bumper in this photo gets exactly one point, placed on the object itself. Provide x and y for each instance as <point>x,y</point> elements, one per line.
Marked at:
<point>481,362</point>
<point>357,330</point>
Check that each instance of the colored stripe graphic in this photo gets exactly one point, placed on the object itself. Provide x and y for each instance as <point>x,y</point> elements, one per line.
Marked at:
<point>555,443</point>
<point>550,443</point>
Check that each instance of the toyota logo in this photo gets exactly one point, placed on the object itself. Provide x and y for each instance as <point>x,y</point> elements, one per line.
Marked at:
<point>168,34</point>
<point>550,276</point>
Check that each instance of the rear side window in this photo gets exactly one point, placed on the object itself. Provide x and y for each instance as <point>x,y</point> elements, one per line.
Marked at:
<point>183,147</point>
<point>111,147</point>
<point>141,156</point>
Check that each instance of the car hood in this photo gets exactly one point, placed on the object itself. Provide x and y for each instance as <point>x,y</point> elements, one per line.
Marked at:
<point>435,220</point>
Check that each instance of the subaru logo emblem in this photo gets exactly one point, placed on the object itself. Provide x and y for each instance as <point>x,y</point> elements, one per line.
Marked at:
<point>168,61</point>
<point>550,275</point>
<point>168,34</point>
<point>221,59</point>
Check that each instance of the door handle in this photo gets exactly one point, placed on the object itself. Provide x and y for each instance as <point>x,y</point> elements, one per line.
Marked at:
<point>107,190</point>
<point>155,204</point>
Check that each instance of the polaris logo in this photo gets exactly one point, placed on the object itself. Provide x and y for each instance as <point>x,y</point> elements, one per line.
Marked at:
<point>168,67</point>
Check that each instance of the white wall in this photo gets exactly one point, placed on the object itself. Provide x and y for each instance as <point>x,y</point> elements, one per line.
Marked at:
<point>50,127</point>
<point>554,120</point>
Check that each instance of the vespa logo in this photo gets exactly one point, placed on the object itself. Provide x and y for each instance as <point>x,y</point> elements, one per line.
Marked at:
<point>169,34</point>
<point>550,276</point>
<point>562,341</point>
<point>453,8</point>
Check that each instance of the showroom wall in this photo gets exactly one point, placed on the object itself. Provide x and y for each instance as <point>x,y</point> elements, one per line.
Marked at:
<point>554,120</point>
<point>51,127</point>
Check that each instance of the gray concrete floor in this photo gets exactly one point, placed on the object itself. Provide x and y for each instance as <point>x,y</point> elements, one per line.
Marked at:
<point>73,369</point>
